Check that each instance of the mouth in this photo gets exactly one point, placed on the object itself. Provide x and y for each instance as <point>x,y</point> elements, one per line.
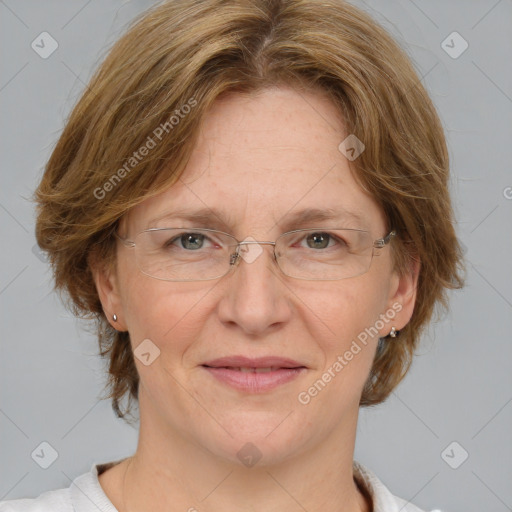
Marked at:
<point>254,375</point>
<point>250,369</point>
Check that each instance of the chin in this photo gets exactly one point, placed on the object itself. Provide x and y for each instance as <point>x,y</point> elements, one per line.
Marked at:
<point>258,439</point>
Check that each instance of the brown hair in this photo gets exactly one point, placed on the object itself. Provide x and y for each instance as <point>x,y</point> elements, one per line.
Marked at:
<point>152,91</point>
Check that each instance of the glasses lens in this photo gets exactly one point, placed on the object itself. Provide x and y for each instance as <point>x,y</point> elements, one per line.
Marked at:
<point>188,254</point>
<point>324,254</point>
<point>183,254</point>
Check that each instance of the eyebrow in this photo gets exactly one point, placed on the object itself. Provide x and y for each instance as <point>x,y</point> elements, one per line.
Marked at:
<point>216,219</point>
<point>315,215</point>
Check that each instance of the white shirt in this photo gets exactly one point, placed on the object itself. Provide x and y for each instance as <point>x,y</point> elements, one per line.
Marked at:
<point>85,494</point>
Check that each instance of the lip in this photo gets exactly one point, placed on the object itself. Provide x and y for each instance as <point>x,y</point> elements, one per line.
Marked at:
<point>226,370</point>
<point>249,362</point>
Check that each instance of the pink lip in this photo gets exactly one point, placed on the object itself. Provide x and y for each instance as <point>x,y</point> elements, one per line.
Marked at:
<point>248,362</point>
<point>226,369</point>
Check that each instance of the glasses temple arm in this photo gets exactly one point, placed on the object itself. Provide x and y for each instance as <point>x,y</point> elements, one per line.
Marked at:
<point>381,242</point>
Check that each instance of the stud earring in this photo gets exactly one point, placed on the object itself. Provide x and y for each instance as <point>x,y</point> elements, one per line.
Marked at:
<point>393,332</point>
<point>114,317</point>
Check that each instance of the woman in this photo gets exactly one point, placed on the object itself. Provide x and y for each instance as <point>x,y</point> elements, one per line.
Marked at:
<point>251,200</point>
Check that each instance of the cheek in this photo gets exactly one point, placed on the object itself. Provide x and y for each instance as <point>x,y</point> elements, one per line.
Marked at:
<point>167,313</point>
<point>351,310</point>
<point>347,309</point>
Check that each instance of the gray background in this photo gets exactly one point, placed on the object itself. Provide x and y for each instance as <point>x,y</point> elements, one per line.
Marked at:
<point>460,385</point>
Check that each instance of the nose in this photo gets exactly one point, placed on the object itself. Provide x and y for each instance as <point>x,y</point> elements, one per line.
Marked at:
<point>254,298</point>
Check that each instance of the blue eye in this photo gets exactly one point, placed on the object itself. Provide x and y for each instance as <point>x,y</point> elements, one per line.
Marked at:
<point>189,241</point>
<point>192,240</point>
<point>323,240</point>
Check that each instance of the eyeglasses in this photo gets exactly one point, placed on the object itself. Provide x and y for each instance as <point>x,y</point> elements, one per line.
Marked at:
<point>190,254</point>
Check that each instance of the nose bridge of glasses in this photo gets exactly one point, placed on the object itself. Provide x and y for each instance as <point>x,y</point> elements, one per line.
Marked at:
<point>236,256</point>
<point>245,242</point>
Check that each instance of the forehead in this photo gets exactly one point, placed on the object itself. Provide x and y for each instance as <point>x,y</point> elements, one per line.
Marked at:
<point>262,158</point>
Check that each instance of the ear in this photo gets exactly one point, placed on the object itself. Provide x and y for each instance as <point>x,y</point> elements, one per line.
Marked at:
<point>403,295</point>
<point>107,285</point>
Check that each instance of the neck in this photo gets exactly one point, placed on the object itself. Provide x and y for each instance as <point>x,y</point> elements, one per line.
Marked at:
<point>170,472</point>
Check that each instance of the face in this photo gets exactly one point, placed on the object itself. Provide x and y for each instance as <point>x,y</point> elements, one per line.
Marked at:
<point>260,159</point>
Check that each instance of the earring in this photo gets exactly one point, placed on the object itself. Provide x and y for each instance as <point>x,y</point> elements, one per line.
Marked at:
<point>393,332</point>
<point>114,317</point>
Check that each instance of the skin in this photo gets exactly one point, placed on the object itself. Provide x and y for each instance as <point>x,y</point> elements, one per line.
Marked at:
<point>258,158</point>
